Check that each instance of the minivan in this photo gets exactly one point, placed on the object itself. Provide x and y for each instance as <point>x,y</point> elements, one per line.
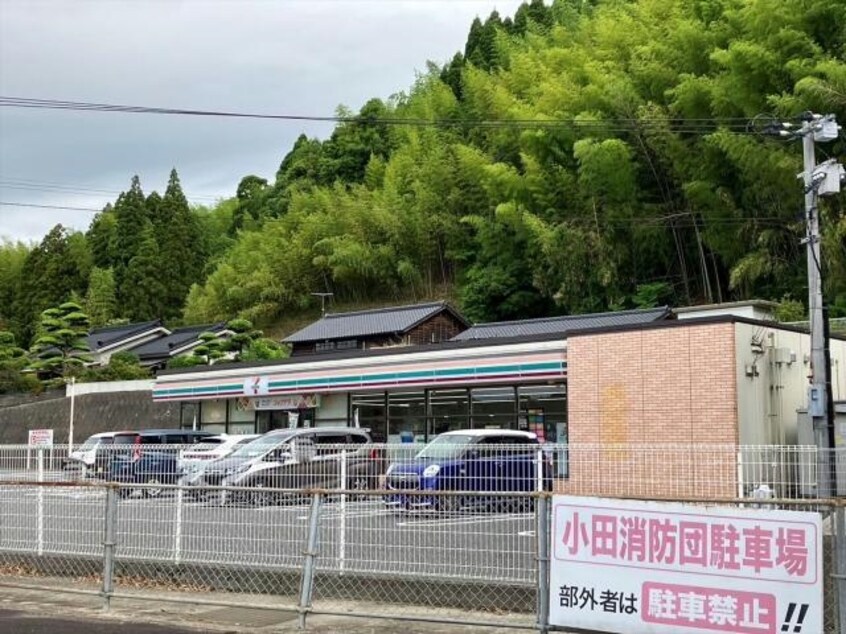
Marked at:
<point>93,456</point>
<point>152,458</point>
<point>296,459</point>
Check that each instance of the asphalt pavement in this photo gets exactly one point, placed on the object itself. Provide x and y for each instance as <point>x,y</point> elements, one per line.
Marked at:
<point>33,611</point>
<point>16,622</point>
<point>356,536</point>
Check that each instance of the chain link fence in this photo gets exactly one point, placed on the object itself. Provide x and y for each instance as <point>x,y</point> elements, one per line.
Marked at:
<point>372,530</point>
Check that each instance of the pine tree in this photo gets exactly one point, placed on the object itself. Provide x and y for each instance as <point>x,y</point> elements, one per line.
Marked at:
<point>179,242</point>
<point>451,74</point>
<point>52,271</point>
<point>143,289</point>
<point>101,238</point>
<point>61,344</point>
<point>474,38</point>
<point>131,214</point>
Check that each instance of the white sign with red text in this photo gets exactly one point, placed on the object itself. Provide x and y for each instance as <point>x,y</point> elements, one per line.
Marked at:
<point>40,438</point>
<point>638,567</point>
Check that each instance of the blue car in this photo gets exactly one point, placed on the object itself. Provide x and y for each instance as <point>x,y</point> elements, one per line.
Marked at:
<point>153,459</point>
<point>474,463</point>
<point>151,467</point>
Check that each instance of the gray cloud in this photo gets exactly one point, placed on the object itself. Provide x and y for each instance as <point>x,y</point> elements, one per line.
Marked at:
<point>303,57</point>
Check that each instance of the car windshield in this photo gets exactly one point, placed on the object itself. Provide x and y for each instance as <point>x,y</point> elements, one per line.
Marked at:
<point>260,446</point>
<point>204,446</point>
<point>90,443</point>
<point>446,446</point>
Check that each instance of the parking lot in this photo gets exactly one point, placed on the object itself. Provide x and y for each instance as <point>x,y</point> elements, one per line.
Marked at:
<point>356,536</point>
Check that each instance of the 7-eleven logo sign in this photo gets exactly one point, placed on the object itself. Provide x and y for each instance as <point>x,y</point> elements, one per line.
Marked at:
<point>256,386</point>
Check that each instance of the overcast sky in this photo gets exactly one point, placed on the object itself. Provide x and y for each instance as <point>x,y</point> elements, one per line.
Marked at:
<point>269,56</point>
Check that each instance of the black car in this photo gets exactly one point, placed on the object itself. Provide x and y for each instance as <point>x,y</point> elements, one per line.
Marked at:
<point>151,459</point>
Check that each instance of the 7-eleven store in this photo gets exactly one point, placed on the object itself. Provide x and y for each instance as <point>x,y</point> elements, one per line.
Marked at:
<point>650,400</point>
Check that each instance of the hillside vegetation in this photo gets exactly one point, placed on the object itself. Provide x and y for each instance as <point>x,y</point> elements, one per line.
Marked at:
<point>588,155</point>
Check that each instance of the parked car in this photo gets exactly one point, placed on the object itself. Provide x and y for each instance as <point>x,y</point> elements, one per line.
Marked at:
<point>196,458</point>
<point>474,462</point>
<point>296,459</point>
<point>94,455</point>
<point>212,448</point>
<point>151,459</point>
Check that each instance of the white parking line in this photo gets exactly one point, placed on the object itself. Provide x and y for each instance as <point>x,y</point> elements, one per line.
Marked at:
<point>463,521</point>
<point>354,509</point>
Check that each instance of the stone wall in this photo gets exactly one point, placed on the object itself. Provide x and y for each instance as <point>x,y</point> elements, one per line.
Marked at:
<point>93,413</point>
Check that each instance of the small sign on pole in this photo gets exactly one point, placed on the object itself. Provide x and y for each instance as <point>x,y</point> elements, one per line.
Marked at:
<point>668,568</point>
<point>40,438</point>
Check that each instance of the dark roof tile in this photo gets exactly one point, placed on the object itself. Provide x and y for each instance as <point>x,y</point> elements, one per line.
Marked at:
<point>163,347</point>
<point>363,323</point>
<point>103,337</point>
<point>562,325</point>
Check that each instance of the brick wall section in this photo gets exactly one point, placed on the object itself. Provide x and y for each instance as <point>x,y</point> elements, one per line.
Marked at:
<point>92,413</point>
<point>637,397</point>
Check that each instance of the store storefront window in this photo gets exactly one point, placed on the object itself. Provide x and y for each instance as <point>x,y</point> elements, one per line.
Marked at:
<point>494,407</point>
<point>242,420</point>
<point>407,417</point>
<point>543,410</point>
<point>189,415</point>
<point>370,410</point>
<point>450,410</point>
<point>213,416</point>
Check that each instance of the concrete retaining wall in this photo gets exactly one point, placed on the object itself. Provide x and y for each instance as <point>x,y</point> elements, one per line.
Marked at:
<point>93,413</point>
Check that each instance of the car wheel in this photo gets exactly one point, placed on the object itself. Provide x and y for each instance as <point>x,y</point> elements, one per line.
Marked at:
<point>357,484</point>
<point>153,492</point>
<point>451,503</point>
<point>261,496</point>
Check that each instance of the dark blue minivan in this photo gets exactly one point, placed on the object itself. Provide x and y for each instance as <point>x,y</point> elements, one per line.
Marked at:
<point>151,459</point>
<point>473,462</point>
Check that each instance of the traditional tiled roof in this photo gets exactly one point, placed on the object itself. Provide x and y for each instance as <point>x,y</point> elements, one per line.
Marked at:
<point>363,323</point>
<point>179,338</point>
<point>108,336</point>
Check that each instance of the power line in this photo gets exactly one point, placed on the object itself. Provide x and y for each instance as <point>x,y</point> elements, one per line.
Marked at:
<point>25,185</point>
<point>16,204</point>
<point>618,124</point>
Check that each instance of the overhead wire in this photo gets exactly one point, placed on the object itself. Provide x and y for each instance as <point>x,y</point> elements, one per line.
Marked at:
<point>614,124</point>
<point>38,206</point>
<point>25,185</point>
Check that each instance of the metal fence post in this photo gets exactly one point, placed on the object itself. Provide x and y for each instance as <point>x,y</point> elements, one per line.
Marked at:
<point>39,513</point>
<point>307,585</point>
<point>109,543</point>
<point>542,536</point>
<point>840,565</point>
<point>177,531</point>
<point>342,524</point>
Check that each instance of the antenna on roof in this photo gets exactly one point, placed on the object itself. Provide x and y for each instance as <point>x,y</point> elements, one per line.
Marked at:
<point>323,297</point>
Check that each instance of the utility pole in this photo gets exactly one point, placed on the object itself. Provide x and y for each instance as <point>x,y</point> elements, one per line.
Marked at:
<point>817,401</point>
<point>323,297</point>
<point>819,180</point>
